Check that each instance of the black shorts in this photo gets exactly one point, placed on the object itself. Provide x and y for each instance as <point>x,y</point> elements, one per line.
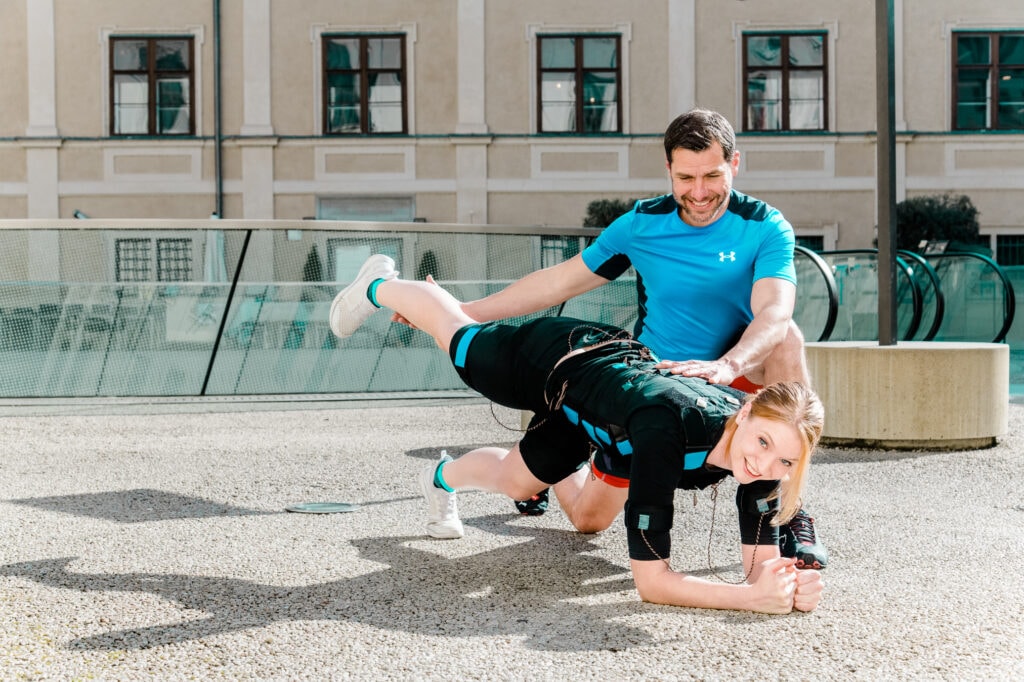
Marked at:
<point>510,365</point>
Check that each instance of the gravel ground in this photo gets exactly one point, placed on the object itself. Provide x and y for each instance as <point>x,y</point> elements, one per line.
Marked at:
<point>152,544</point>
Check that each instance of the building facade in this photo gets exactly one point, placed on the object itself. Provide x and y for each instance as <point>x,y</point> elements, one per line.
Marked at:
<point>501,113</point>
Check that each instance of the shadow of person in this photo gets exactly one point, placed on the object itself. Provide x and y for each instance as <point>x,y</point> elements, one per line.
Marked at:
<point>546,589</point>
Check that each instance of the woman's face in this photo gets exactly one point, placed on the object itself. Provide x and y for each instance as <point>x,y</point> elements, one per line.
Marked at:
<point>763,449</point>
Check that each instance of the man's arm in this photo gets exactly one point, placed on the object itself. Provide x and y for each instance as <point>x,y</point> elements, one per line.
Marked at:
<point>772,301</point>
<point>536,291</point>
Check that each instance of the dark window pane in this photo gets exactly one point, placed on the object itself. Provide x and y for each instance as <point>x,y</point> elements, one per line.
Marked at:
<point>558,53</point>
<point>171,55</point>
<point>972,99</point>
<point>812,242</point>
<point>1011,98</point>
<point>600,97</point>
<point>764,50</point>
<point>972,50</point>
<point>130,55</point>
<point>1010,249</point>
<point>342,103</point>
<point>1011,50</point>
<point>343,53</point>
<point>172,106</point>
<point>805,50</point>
<point>384,53</point>
<point>764,96</point>
<point>599,53</point>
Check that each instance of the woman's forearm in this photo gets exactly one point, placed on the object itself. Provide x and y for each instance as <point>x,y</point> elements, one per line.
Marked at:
<point>773,592</point>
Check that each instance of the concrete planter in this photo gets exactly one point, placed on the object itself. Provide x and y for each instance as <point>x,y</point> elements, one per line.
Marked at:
<point>914,395</point>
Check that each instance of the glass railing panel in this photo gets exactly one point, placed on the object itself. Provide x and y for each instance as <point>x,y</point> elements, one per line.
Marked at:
<point>101,339</point>
<point>856,277</point>
<point>976,296</point>
<point>816,304</point>
<point>932,300</point>
<point>1015,335</point>
<point>73,326</point>
<point>613,303</point>
<point>277,338</point>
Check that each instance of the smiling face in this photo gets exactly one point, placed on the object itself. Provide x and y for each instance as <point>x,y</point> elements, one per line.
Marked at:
<point>701,182</point>
<point>762,449</point>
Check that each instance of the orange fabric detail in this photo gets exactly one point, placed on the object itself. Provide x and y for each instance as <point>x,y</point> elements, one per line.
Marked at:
<point>614,481</point>
<point>745,385</point>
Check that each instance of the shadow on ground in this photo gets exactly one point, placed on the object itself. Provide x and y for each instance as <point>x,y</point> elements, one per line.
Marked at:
<point>508,591</point>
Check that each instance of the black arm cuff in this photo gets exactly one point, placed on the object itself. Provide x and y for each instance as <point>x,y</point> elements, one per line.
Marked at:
<point>647,531</point>
<point>756,512</point>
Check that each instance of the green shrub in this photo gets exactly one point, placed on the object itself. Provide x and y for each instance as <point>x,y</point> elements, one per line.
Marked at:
<point>943,217</point>
<point>601,212</point>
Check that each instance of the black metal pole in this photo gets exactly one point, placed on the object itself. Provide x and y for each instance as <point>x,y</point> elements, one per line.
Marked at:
<point>227,310</point>
<point>886,172</point>
<point>218,134</point>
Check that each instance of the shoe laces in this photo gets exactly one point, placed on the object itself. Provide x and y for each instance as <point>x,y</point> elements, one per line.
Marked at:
<point>802,527</point>
<point>450,505</point>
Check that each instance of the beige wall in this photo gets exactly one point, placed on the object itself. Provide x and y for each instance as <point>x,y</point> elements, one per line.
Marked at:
<point>13,74</point>
<point>506,174</point>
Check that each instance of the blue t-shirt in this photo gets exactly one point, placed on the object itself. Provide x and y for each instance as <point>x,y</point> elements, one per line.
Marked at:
<point>694,283</point>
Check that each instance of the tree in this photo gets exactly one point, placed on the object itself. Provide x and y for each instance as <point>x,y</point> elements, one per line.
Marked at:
<point>601,212</point>
<point>945,217</point>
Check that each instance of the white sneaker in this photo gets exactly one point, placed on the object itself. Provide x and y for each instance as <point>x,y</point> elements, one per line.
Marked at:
<point>351,307</point>
<point>443,511</point>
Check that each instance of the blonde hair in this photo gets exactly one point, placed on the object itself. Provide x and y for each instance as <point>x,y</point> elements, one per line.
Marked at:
<point>793,403</point>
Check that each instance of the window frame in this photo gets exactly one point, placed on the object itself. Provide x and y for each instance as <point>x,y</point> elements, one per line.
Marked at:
<point>154,270</point>
<point>151,82</point>
<point>364,73</point>
<point>992,67</point>
<point>786,69</point>
<point>578,71</point>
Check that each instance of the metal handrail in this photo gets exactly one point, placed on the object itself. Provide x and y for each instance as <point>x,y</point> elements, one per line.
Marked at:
<point>940,300</point>
<point>915,289</point>
<point>831,289</point>
<point>1009,298</point>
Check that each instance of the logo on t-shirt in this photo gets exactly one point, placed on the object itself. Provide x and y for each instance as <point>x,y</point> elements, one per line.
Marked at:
<point>722,255</point>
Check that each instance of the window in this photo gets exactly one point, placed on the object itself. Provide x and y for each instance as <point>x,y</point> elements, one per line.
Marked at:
<point>785,81</point>
<point>812,242</point>
<point>136,259</point>
<point>988,88</point>
<point>364,84</point>
<point>578,84</point>
<point>1010,249</point>
<point>151,86</point>
<point>380,209</point>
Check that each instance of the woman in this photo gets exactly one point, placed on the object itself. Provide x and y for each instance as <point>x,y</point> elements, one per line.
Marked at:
<point>591,387</point>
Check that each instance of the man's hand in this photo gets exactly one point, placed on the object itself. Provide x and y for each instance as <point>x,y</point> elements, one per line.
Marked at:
<point>715,371</point>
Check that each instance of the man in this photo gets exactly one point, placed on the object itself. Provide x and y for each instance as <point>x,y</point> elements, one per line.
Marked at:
<point>716,284</point>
